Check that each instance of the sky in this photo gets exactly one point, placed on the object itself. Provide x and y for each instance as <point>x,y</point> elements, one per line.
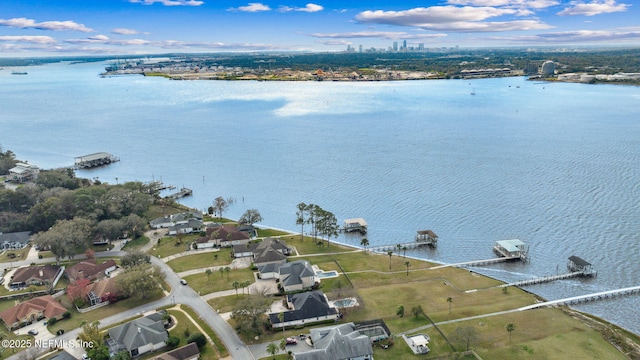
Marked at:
<point>30,28</point>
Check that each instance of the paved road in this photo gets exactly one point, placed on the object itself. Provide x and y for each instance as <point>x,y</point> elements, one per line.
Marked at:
<point>180,294</point>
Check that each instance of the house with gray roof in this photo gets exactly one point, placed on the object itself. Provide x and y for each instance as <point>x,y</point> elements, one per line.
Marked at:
<point>139,336</point>
<point>15,240</point>
<point>175,219</point>
<point>187,352</point>
<point>307,308</point>
<point>297,275</point>
<point>340,342</point>
<point>268,256</point>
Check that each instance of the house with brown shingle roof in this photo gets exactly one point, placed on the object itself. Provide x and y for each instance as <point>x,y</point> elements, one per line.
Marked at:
<point>89,269</point>
<point>104,290</point>
<point>25,313</point>
<point>36,275</point>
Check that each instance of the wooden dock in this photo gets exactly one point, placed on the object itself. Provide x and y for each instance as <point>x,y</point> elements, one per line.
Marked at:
<point>396,247</point>
<point>603,295</point>
<point>478,262</point>
<point>184,192</point>
<point>94,160</point>
<point>544,279</point>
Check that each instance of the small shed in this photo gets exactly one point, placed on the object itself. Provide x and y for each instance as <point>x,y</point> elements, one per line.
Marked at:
<point>578,264</point>
<point>356,224</point>
<point>419,343</point>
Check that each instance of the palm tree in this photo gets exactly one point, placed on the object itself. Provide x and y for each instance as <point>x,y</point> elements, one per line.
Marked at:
<point>404,251</point>
<point>407,264</point>
<point>449,300</point>
<point>208,272</point>
<point>281,318</point>
<point>364,242</point>
<point>300,218</point>
<point>272,349</point>
<point>227,270</point>
<point>510,328</point>
<point>221,271</point>
<point>236,285</point>
<point>283,345</point>
<point>389,252</point>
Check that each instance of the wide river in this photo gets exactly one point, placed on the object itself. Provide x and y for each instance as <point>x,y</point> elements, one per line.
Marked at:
<point>556,165</point>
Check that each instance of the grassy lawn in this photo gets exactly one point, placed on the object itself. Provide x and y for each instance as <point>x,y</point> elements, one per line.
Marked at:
<point>136,243</point>
<point>221,349</point>
<point>201,260</point>
<point>20,255</point>
<point>219,281</point>
<point>171,245</point>
<point>271,233</point>
<point>309,246</point>
<point>185,324</point>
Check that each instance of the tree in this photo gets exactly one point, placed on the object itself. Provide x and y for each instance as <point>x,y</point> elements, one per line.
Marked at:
<point>283,345</point>
<point>301,218</point>
<point>197,338</point>
<point>134,258</point>
<point>66,237</point>
<point>78,290</point>
<point>400,311</point>
<point>449,300</point>
<point>407,264</point>
<point>173,342</point>
<point>208,272</point>
<point>417,311</point>
<point>236,285</point>
<point>220,205</point>
<point>91,334</point>
<point>98,353</point>
<point>227,270</point>
<point>467,335</point>
<point>510,328</point>
<point>140,281</point>
<point>404,251</point>
<point>281,318</point>
<point>249,314</point>
<point>326,224</point>
<point>273,349</point>
<point>364,242</point>
<point>250,217</point>
<point>221,269</point>
<point>123,355</point>
<point>389,252</point>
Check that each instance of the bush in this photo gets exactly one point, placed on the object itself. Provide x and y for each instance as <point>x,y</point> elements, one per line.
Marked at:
<point>197,338</point>
<point>52,321</point>
<point>66,314</point>
<point>173,341</point>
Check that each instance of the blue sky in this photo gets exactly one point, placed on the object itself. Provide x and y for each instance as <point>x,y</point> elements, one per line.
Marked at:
<point>111,27</point>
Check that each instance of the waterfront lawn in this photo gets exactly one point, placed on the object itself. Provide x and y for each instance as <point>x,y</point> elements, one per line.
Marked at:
<point>219,281</point>
<point>201,260</point>
<point>271,233</point>
<point>171,245</point>
<point>309,246</point>
<point>539,334</point>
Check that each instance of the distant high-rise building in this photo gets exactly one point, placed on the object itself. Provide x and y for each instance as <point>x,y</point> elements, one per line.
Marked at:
<point>360,49</point>
<point>395,46</point>
<point>421,47</point>
<point>404,44</point>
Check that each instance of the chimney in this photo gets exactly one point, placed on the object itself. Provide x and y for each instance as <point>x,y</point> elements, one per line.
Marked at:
<point>41,273</point>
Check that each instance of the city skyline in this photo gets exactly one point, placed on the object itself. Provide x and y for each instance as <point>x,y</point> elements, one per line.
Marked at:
<point>74,27</point>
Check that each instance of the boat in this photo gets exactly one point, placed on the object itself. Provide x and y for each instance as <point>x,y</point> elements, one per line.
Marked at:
<point>18,73</point>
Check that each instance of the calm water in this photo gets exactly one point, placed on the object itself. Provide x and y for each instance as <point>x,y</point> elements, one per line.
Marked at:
<point>556,165</point>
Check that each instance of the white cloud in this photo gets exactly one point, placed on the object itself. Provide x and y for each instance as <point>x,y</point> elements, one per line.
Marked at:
<point>308,8</point>
<point>392,35</point>
<point>252,7</point>
<point>335,42</point>
<point>452,18</point>
<point>525,4</point>
<point>593,8</point>
<point>169,2</point>
<point>24,23</point>
<point>123,31</point>
<point>29,39</point>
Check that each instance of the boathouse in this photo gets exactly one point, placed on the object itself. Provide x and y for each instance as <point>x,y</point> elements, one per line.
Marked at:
<point>357,224</point>
<point>427,237</point>
<point>94,160</point>
<point>576,264</point>
<point>513,248</point>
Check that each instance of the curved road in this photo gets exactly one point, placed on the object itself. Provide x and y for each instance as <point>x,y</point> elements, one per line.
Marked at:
<point>180,294</point>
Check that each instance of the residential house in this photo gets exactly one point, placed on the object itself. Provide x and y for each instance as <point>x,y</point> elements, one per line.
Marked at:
<point>14,241</point>
<point>275,244</point>
<point>240,251</point>
<point>100,239</point>
<point>62,355</point>
<point>36,275</point>
<point>296,276</point>
<point>175,219</point>
<point>27,312</point>
<point>104,290</point>
<point>340,342</point>
<point>187,352</point>
<point>89,269</point>
<point>187,227</point>
<point>222,236</point>
<point>23,172</point>
<point>138,336</point>
<point>307,308</point>
<point>268,256</point>
<point>269,271</point>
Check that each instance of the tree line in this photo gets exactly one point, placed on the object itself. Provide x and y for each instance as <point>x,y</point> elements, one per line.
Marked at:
<point>322,222</point>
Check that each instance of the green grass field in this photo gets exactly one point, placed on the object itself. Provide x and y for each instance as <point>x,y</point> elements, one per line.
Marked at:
<point>201,260</point>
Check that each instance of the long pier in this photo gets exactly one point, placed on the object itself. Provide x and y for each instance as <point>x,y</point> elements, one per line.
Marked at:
<point>478,262</point>
<point>184,192</point>
<point>610,294</point>
<point>397,247</point>
<point>545,279</point>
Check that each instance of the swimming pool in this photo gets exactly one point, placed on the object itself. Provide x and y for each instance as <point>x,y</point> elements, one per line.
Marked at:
<point>326,274</point>
<point>347,302</point>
